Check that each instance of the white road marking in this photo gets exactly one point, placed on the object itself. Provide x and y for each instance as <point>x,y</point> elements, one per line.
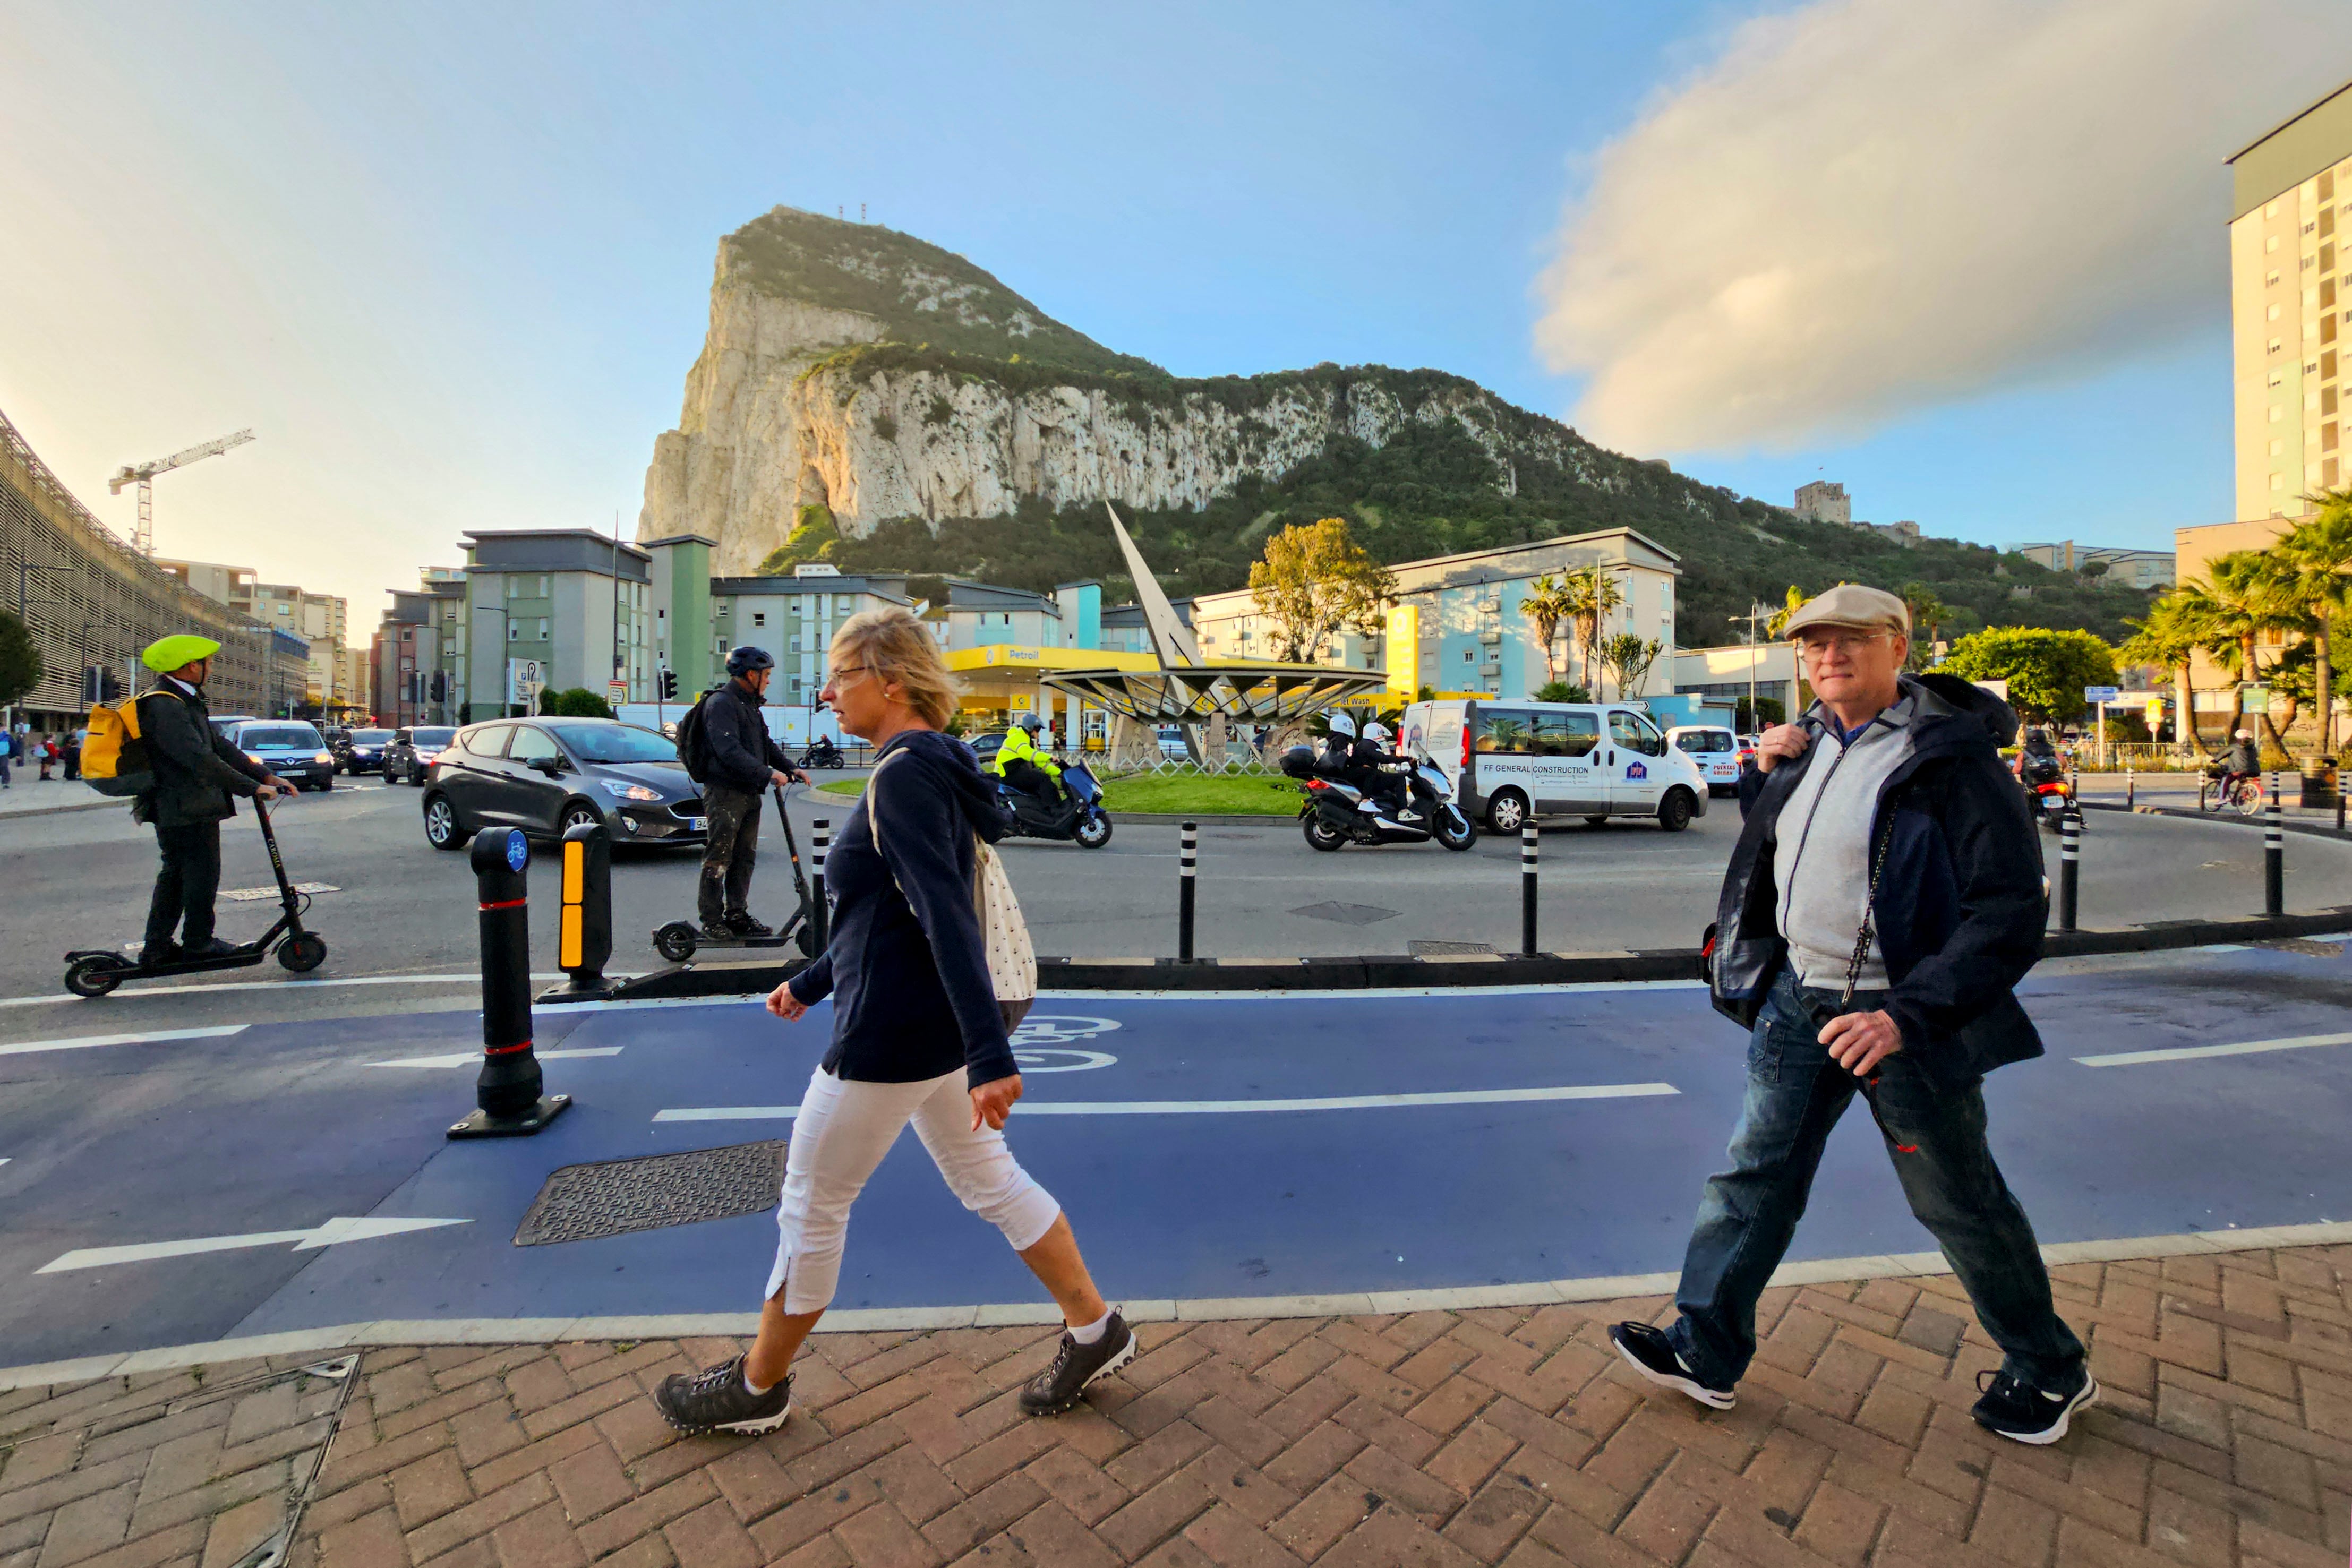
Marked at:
<point>2195,1053</point>
<point>255,895</point>
<point>1219,1107</point>
<point>339,1229</point>
<point>155,1036</point>
<point>120,997</point>
<point>474,1058</point>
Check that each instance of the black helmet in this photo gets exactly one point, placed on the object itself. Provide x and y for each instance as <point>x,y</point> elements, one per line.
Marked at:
<point>746,659</point>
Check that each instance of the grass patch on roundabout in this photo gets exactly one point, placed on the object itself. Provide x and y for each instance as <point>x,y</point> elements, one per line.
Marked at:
<point>1170,794</point>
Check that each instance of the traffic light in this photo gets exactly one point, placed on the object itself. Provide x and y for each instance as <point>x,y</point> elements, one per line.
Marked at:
<point>440,685</point>
<point>110,687</point>
<point>668,684</point>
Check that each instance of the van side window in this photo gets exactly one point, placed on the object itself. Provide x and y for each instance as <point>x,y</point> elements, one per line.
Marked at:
<point>1566,734</point>
<point>1635,733</point>
<point>1505,732</point>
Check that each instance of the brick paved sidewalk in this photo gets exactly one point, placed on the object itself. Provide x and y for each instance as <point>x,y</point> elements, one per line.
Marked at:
<point>1492,1435</point>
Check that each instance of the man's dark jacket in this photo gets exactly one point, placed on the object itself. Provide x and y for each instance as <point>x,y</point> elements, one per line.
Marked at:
<point>740,754</point>
<point>196,769</point>
<point>1961,903</point>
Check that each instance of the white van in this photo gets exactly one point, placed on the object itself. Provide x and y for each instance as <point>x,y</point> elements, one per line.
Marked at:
<point>1522,759</point>
<point>1716,750</point>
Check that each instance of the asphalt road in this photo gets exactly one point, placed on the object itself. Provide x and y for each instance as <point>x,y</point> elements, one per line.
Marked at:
<point>401,935</point>
<point>1205,1146</point>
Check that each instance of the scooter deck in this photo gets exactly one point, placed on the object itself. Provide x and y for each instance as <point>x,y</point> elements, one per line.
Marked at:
<point>242,958</point>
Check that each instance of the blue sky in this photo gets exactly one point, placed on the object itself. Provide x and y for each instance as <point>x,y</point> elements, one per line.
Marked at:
<point>453,265</point>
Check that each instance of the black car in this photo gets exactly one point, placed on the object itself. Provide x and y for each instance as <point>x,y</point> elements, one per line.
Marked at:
<point>290,748</point>
<point>411,751</point>
<point>360,751</point>
<point>545,775</point>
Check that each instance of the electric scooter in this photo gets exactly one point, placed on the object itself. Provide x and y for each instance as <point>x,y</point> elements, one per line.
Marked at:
<point>680,939</point>
<point>94,971</point>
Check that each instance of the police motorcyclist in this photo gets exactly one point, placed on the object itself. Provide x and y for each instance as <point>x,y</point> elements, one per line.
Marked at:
<point>196,773</point>
<point>1020,763</point>
<point>740,760</point>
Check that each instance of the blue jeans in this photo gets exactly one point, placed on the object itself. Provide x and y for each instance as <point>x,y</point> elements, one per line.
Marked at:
<point>1934,1134</point>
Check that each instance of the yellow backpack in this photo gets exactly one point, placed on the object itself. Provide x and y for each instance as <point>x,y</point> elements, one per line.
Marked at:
<point>114,757</point>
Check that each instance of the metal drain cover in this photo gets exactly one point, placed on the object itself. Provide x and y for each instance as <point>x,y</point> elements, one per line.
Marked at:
<point>1345,914</point>
<point>613,1198</point>
<point>1446,949</point>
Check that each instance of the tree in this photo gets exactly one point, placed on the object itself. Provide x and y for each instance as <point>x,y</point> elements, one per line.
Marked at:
<point>1315,581</point>
<point>2232,606</point>
<point>1561,692</point>
<point>574,702</point>
<point>2310,571</point>
<point>1796,602</point>
<point>20,660</point>
<point>2166,638</point>
<point>815,537</point>
<point>1929,614</point>
<point>1591,595</point>
<point>1627,658</point>
<point>2047,670</point>
<point>1547,603</point>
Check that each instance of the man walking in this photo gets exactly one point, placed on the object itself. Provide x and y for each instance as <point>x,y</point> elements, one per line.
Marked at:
<point>196,772</point>
<point>739,760</point>
<point>1884,900</point>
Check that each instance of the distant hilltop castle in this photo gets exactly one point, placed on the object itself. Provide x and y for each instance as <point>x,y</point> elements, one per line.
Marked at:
<point>1823,501</point>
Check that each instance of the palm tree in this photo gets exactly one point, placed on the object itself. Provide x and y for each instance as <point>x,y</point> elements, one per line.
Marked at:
<point>2310,572</point>
<point>1545,602</point>
<point>1928,611</point>
<point>2232,606</point>
<point>2167,639</point>
<point>1796,602</point>
<point>1592,593</point>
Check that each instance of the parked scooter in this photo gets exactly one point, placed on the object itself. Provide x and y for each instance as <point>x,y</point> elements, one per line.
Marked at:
<point>2047,790</point>
<point>1079,817</point>
<point>679,940</point>
<point>93,972</point>
<point>820,752</point>
<point>1333,814</point>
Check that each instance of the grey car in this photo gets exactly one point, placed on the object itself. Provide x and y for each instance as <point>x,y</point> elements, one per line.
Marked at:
<point>545,775</point>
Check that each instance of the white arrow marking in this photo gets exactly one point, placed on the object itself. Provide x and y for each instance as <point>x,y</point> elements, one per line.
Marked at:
<point>1222,1107</point>
<point>153,1036</point>
<point>474,1058</point>
<point>2195,1053</point>
<point>341,1229</point>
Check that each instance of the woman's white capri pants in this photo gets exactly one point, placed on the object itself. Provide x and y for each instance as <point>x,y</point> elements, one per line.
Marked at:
<point>840,1135</point>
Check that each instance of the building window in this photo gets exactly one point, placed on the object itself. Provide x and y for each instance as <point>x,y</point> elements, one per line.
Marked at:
<point>844,603</point>
<point>759,619</point>
<point>542,628</point>
<point>514,632</point>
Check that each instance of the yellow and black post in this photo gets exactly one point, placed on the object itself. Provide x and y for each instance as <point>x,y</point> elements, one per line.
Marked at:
<point>583,942</point>
<point>508,1093</point>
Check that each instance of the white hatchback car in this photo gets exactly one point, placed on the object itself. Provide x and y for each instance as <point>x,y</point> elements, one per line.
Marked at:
<point>1716,750</point>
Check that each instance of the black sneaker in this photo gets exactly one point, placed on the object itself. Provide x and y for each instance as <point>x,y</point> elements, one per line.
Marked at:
<point>745,926</point>
<point>215,948</point>
<point>715,1400</point>
<point>2017,1409</point>
<point>1057,1388</point>
<point>718,931</point>
<point>158,952</point>
<point>1650,1353</point>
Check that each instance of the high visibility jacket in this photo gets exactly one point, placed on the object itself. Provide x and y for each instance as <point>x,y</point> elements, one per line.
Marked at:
<point>1019,747</point>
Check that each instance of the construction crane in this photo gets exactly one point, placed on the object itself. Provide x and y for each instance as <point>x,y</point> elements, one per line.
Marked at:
<point>143,541</point>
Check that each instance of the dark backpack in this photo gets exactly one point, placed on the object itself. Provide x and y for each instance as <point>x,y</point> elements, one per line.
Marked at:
<point>693,745</point>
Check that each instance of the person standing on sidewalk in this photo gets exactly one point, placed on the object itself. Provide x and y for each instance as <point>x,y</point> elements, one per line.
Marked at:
<point>740,759</point>
<point>7,753</point>
<point>918,1035</point>
<point>1884,900</point>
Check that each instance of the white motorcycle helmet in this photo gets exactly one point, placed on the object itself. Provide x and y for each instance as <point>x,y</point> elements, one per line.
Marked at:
<point>1342,724</point>
<point>1378,733</point>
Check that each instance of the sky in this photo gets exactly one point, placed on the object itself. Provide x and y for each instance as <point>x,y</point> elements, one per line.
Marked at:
<point>451,263</point>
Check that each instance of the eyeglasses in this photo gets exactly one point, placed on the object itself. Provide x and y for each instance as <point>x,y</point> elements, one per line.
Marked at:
<point>841,670</point>
<point>1847,642</point>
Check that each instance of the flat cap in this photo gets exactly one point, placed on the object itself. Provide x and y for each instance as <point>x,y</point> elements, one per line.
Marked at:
<point>1851,604</point>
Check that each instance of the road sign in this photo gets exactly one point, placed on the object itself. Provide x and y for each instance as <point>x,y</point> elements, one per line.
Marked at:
<point>2101,694</point>
<point>525,678</point>
<point>617,690</point>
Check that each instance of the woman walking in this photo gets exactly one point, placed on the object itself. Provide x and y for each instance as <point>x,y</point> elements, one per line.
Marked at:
<point>917,1036</point>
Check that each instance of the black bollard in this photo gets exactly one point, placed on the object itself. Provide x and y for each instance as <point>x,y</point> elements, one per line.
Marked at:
<point>2273,855</point>
<point>1527,889</point>
<point>1187,855</point>
<point>821,916</point>
<point>2131,787</point>
<point>583,942</point>
<point>2070,856</point>
<point>508,1091</point>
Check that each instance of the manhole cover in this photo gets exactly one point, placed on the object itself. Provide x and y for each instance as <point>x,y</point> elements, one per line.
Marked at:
<point>1446,949</point>
<point>583,1203</point>
<point>1345,913</point>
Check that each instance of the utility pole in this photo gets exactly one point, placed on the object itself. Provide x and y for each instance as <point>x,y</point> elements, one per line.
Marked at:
<point>1755,615</point>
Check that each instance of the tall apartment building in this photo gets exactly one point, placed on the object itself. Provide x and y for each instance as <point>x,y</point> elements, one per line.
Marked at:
<point>2289,304</point>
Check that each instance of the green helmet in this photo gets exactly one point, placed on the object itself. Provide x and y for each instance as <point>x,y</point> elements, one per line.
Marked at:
<point>168,654</point>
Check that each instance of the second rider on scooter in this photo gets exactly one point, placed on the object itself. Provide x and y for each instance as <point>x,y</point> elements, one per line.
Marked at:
<point>737,760</point>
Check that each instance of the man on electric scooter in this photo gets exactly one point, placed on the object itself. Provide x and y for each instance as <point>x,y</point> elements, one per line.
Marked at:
<point>196,773</point>
<point>740,760</point>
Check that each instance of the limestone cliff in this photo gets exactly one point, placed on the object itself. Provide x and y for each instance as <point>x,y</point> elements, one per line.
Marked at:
<point>857,368</point>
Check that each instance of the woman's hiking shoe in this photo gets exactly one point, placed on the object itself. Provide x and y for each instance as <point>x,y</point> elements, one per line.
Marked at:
<point>1057,1388</point>
<point>2017,1409</point>
<point>715,1400</point>
<point>1650,1353</point>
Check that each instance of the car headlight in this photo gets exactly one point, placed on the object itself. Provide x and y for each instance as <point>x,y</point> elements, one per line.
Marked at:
<point>325,756</point>
<point>628,791</point>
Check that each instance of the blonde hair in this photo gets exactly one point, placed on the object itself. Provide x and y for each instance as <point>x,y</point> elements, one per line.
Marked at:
<point>897,648</point>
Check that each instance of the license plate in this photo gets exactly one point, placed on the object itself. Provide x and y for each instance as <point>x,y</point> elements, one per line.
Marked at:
<point>693,824</point>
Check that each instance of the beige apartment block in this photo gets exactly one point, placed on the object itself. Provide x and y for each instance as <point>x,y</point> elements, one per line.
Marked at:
<point>2290,305</point>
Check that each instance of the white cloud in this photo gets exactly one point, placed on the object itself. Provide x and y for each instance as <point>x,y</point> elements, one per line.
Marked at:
<point>1864,207</point>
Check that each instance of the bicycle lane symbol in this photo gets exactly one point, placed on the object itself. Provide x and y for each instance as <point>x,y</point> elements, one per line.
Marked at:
<point>1041,1044</point>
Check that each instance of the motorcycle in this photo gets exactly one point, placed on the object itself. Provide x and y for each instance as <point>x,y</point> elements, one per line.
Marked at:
<point>2051,797</point>
<point>1333,816</point>
<point>820,752</point>
<point>1077,817</point>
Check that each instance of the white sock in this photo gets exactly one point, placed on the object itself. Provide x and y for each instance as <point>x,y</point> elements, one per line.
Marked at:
<point>757,1391</point>
<point>1092,1334</point>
